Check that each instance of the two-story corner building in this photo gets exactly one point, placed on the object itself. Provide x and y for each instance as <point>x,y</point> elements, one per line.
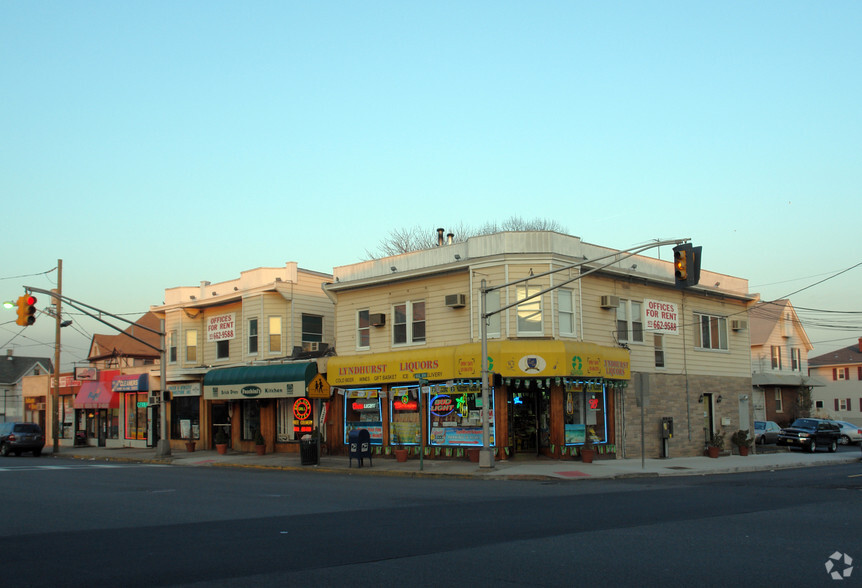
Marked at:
<point>840,398</point>
<point>564,362</point>
<point>20,401</point>
<point>241,353</point>
<point>781,385</point>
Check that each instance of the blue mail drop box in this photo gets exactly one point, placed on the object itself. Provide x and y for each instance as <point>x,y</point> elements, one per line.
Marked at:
<point>359,443</point>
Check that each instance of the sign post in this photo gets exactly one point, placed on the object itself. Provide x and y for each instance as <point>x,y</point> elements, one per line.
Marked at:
<point>423,382</point>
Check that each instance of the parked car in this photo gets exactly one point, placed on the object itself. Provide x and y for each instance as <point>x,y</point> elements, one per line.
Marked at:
<point>766,432</point>
<point>810,434</point>
<point>850,433</point>
<point>20,437</point>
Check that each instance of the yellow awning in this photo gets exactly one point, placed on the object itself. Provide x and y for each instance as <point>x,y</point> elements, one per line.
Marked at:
<point>521,358</point>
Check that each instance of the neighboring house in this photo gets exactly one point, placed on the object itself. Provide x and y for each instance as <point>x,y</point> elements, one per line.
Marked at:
<point>841,398</point>
<point>13,370</point>
<point>779,363</point>
<point>568,363</point>
<point>240,354</point>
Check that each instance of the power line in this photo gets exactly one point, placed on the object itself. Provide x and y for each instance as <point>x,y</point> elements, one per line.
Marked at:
<point>30,275</point>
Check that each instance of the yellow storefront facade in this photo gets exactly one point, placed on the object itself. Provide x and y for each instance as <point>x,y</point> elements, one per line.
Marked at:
<point>547,396</point>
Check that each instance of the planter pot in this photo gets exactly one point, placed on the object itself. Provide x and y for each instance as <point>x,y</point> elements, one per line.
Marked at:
<point>743,451</point>
<point>221,448</point>
<point>190,446</point>
<point>260,449</point>
<point>712,451</point>
<point>587,455</point>
<point>401,454</point>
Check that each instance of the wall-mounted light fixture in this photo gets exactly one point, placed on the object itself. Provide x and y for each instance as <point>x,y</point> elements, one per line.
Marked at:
<point>457,257</point>
<point>700,399</point>
<point>393,268</point>
<point>718,400</point>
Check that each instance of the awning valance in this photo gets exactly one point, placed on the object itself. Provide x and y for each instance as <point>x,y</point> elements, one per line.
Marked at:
<point>96,395</point>
<point>265,381</point>
<point>520,359</point>
<point>789,380</point>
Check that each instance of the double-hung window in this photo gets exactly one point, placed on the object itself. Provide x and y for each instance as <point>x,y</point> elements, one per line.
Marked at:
<point>275,334</point>
<point>529,312</point>
<point>659,350</point>
<point>172,346</point>
<point>710,332</point>
<point>191,346</point>
<point>492,303</point>
<point>566,312</point>
<point>408,324</point>
<point>776,357</point>
<point>796,359</point>
<point>252,336</point>
<point>363,329</point>
<point>312,328</point>
<point>630,326</point>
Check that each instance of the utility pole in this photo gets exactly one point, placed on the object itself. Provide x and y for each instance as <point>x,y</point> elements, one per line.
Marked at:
<point>55,391</point>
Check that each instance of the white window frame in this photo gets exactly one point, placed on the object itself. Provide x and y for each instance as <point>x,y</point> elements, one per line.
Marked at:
<point>796,359</point>
<point>714,323</point>
<point>270,334</point>
<point>625,313</point>
<point>776,357</point>
<point>410,323</point>
<point>658,341</point>
<point>527,311</point>
<point>779,405</point>
<point>173,354</point>
<point>566,312</point>
<point>360,329</point>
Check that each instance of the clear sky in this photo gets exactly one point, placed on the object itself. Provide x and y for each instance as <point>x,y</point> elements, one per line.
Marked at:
<point>157,144</point>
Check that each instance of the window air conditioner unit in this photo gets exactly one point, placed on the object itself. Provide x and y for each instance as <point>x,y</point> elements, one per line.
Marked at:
<point>310,346</point>
<point>456,300</point>
<point>610,301</point>
<point>738,325</point>
<point>377,319</point>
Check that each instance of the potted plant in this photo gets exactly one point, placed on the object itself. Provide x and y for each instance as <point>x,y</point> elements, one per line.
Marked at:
<point>715,445</point>
<point>221,441</point>
<point>588,450</point>
<point>742,441</point>
<point>190,442</point>
<point>259,443</point>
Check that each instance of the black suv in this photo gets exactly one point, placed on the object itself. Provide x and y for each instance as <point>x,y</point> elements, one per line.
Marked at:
<point>20,437</point>
<point>811,433</point>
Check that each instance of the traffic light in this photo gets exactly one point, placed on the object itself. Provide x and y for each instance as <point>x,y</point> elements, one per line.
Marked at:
<point>681,255</point>
<point>26,310</point>
<point>686,265</point>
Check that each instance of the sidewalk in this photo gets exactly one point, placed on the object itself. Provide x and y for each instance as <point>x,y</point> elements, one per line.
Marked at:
<point>523,468</point>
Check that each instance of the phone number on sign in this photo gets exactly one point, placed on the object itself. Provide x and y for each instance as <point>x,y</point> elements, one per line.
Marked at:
<point>661,326</point>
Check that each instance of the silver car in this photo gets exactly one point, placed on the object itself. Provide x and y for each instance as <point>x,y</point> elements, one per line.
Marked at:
<point>850,433</point>
<point>765,432</point>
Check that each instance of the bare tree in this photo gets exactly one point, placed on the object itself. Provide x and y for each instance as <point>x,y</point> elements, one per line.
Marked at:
<point>405,240</point>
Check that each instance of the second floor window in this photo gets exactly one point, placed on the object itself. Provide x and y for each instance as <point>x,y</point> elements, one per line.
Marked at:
<point>659,350</point>
<point>566,303</point>
<point>529,312</point>
<point>776,357</point>
<point>630,326</point>
<point>408,323</point>
<point>223,349</point>
<point>492,303</point>
<point>710,332</point>
<point>312,328</point>
<point>172,346</point>
<point>192,346</point>
<point>275,334</point>
<point>363,329</point>
<point>252,336</point>
<point>796,359</point>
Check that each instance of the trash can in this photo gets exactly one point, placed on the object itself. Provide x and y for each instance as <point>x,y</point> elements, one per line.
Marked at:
<point>308,453</point>
<point>359,445</point>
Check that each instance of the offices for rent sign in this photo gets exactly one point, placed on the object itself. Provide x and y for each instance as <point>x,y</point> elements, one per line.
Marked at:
<point>221,327</point>
<point>661,317</point>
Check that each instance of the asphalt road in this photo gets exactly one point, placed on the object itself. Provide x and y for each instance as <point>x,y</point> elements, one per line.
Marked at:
<point>69,523</point>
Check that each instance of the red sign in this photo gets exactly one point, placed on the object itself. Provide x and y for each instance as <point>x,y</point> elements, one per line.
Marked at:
<point>302,409</point>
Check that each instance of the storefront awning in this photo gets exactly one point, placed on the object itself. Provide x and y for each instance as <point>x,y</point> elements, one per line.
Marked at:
<point>96,395</point>
<point>265,381</point>
<point>520,359</point>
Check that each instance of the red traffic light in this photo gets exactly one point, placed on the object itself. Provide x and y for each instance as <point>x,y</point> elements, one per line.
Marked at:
<point>26,310</point>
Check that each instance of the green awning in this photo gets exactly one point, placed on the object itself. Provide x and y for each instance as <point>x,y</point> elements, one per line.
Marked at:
<point>283,380</point>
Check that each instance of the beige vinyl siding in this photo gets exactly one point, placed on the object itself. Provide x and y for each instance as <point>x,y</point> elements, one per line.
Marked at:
<point>600,327</point>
